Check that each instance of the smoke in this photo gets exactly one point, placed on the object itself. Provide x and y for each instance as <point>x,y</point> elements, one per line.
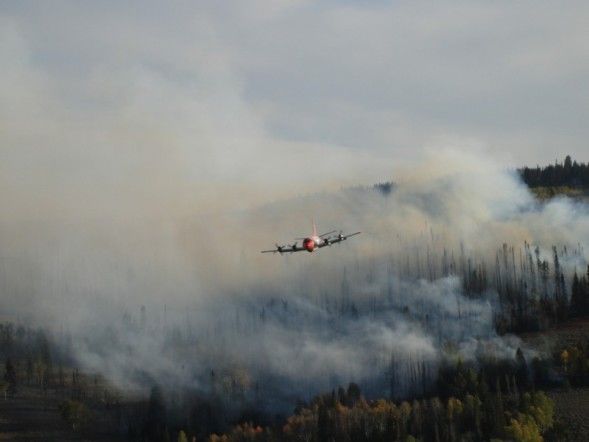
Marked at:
<point>133,220</point>
<point>182,299</point>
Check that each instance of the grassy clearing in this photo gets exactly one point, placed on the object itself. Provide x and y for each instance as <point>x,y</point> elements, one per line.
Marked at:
<point>544,193</point>
<point>35,412</point>
<point>571,404</point>
<point>571,414</point>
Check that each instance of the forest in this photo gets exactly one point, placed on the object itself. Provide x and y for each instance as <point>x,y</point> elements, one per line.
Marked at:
<point>271,366</point>
<point>479,400</point>
<point>568,173</point>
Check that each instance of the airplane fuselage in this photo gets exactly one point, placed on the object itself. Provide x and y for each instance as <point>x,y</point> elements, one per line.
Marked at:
<point>311,243</point>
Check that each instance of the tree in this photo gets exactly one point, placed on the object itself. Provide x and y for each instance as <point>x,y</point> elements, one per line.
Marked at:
<point>10,377</point>
<point>577,308</point>
<point>564,358</point>
<point>301,426</point>
<point>74,413</point>
<point>30,369</point>
<point>524,429</point>
<point>156,415</point>
<point>541,408</point>
<point>323,424</point>
<point>570,173</point>
<point>405,414</point>
<point>45,357</point>
<point>454,411</point>
<point>61,376</point>
<point>472,412</point>
<point>4,388</point>
<point>354,394</point>
<point>416,419</point>
<point>522,375</point>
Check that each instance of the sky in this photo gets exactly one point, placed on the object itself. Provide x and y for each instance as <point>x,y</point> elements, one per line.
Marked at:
<point>172,101</point>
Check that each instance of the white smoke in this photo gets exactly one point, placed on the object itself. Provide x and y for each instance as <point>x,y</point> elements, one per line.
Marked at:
<point>146,186</point>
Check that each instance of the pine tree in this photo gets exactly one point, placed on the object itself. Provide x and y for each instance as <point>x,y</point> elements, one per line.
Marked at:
<point>156,416</point>
<point>323,427</point>
<point>10,377</point>
<point>522,375</point>
<point>499,410</point>
<point>576,297</point>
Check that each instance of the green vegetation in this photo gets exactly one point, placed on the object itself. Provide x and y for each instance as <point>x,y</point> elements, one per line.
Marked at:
<point>341,417</point>
<point>569,174</point>
<point>545,193</point>
<point>75,413</point>
<point>10,378</point>
<point>484,399</point>
<point>534,293</point>
<point>471,401</point>
<point>43,379</point>
<point>573,363</point>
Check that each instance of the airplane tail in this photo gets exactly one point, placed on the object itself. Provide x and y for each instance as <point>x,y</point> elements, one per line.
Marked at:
<point>314,228</point>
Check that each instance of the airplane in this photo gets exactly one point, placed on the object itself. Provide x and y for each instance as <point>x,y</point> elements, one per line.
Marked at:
<point>313,242</point>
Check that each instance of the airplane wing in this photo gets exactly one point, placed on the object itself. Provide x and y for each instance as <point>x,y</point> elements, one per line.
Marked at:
<point>285,249</point>
<point>320,236</point>
<point>295,249</point>
<point>337,239</point>
<point>328,233</point>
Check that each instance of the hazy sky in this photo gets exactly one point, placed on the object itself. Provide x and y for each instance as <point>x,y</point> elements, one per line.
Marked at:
<point>165,97</point>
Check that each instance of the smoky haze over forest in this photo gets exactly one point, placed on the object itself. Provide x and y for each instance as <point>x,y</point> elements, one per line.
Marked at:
<point>148,300</point>
<point>143,169</point>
